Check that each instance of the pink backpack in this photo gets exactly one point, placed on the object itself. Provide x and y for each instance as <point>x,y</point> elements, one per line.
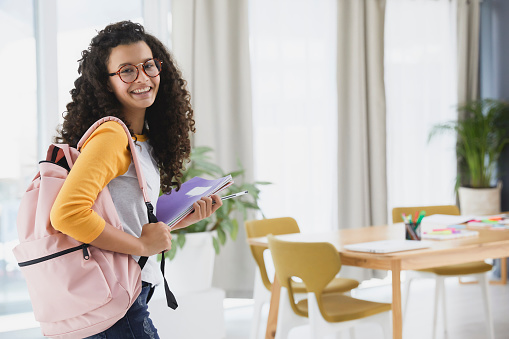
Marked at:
<point>76,290</point>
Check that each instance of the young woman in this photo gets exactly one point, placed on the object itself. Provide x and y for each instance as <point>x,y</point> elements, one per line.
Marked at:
<point>128,74</point>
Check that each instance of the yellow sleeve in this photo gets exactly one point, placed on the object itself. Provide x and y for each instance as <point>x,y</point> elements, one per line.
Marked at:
<point>104,156</point>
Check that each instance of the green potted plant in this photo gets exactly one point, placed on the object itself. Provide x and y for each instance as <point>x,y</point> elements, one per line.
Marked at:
<point>224,222</point>
<point>481,137</point>
<point>191,258</point>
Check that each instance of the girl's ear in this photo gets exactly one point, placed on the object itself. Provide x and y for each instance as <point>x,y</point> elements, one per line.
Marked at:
<point>108,86</point>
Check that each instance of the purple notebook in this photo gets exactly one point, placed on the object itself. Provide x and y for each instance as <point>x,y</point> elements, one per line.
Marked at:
<point>173,207</point>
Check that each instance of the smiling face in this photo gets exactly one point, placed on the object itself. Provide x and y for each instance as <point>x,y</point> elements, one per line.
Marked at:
<point>140,94</point>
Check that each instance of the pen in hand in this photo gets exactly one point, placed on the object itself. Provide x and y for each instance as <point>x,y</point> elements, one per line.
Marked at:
<point>232,196</point>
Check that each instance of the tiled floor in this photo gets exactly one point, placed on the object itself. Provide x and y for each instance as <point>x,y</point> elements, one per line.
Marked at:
<point>465,316</point>
<point>465,313</point>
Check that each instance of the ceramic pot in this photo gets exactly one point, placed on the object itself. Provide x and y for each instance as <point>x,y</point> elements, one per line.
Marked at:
<point>480,201</point>
<point>193,266</point>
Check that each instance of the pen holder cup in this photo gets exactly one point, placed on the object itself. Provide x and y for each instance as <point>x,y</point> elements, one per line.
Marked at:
<point>412,231</point>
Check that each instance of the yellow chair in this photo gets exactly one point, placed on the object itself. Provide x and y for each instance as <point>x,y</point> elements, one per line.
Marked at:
<point>476,269</point>
<point>263,285</point>
<point>317,264</point>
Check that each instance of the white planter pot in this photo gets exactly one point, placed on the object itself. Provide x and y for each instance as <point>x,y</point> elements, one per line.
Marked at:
<point>193,266</point>
<point>480,201</point>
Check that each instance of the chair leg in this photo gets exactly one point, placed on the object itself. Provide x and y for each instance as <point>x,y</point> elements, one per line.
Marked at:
<point>444,307</point>
<point>483,280</point>
<point>286,318</point>
<point>439,289</point>
<point>352,332</point>
<point>261,296</point>
<point>406,295</point>
<point>255,322</point>
<point>341,335</point>
<point>386,323</point>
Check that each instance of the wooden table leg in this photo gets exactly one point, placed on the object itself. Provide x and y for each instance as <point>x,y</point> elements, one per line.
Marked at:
<point>397,318</point>
<point>273,310</point>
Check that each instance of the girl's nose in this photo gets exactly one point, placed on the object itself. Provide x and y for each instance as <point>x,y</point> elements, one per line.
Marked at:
<point>142,77</point>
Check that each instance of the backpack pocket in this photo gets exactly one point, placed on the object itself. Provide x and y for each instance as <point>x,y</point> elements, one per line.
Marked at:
<point>63,279</point>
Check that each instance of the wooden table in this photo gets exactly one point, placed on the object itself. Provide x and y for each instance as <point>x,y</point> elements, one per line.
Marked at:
<point>489,244</point>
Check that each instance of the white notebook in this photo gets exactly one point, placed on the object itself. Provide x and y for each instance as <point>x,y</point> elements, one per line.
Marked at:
<point>461,234</point>
<point>388,246</point>
<point>446,220</point>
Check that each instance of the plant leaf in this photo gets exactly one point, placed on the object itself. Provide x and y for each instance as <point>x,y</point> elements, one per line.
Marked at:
<point>200,226</point>
<point>215,243</point>
<point>221,236</point>
<point>250,205</point>
<point>171,253</point>
<point>226,225</point>
<point>235,230</point>
<point>481,129</point>
<point>239,205</point>
<point>237,173</point>
<point>253,190</point>
<point>181,239</point>
<point>223,220</point>
<point>199,150</point>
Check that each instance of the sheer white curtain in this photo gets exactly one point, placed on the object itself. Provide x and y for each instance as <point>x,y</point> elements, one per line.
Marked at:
<point>420,79</point>
<point>210,43</point>
<point>293,47</point>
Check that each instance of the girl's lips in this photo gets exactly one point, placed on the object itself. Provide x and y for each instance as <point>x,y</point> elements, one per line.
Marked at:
<point>143,94</point>
<point>142,90</point>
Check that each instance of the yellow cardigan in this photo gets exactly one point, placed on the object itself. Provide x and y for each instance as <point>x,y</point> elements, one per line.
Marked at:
<point>104,156</point>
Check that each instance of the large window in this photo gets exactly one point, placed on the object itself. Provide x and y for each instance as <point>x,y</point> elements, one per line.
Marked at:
<point>293,55</point>
<point>77,22</point>
<point>18,118</point>
<point>420,80</point>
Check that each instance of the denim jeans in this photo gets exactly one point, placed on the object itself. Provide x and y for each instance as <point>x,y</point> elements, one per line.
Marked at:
<point>136,324</point>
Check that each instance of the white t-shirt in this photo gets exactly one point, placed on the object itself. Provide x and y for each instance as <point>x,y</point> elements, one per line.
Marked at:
<point>131,208</point>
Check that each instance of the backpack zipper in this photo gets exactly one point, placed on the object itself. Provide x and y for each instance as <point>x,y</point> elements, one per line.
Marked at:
<point>83,247</point>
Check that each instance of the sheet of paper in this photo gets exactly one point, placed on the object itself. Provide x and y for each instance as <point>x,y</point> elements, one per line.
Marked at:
<point>462,234</point>
<point>388,246</point>
<point>446,220</point>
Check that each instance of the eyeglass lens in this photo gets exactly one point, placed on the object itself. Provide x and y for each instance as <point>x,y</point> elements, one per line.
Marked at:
<point>129,73</point>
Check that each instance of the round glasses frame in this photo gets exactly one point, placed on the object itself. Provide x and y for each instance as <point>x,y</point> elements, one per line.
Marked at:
<point>157,61</point>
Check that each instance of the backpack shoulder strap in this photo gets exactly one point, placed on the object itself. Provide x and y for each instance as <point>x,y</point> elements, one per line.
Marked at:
<point>137,166</point>
<point>170,298</point>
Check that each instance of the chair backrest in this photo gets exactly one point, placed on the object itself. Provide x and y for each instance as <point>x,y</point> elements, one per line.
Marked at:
<point>430,210</point>
<point>263,227</point>
<point>315,263</point>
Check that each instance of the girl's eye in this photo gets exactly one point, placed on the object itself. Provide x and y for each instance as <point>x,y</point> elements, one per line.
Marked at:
<point>127,70</point>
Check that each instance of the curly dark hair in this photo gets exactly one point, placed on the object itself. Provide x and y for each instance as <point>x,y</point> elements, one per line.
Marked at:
<point>168,121</point>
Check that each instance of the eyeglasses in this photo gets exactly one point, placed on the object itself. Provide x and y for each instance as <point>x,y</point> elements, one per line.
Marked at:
<point>129,73</point>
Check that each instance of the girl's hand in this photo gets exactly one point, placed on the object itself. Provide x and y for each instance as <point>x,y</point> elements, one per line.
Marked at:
<point>155,238</point>
<point>203,208</point>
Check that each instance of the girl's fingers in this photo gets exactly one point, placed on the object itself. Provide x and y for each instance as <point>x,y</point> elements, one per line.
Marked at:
<point>208,202</point>
<point>204,207</point>
<point>199,208</point>
<point>217,202</point>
